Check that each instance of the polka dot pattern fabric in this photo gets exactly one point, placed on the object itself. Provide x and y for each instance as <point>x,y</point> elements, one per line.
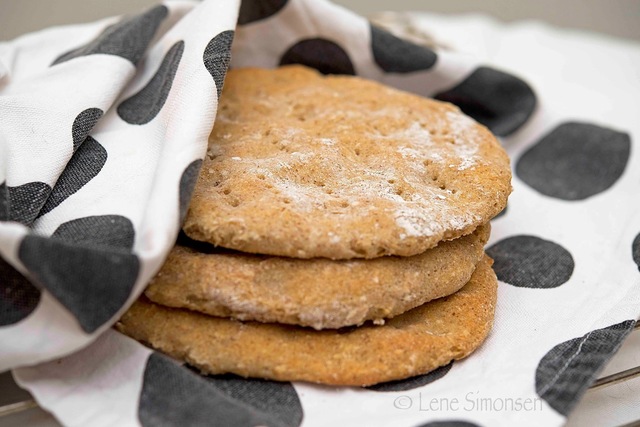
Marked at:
<point>102,136</point>
<point>96,171</point>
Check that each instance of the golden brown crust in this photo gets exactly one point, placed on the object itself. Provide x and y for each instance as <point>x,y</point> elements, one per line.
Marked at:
<point>413,343</point>
<point>305,166</point>
<point>320,293</point>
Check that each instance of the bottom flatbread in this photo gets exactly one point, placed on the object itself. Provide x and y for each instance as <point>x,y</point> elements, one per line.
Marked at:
<point>410,344</point>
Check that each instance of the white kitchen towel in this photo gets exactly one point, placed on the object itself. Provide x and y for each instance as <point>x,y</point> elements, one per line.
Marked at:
<point>102,130</point>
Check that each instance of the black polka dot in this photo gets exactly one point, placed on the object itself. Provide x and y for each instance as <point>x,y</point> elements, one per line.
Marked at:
<point>82,125</point>
<point>173,395</point>
<point>321,54</point>
<point>635,250</point>
<point>23,202</point>
<point>498,100</point>
<point>142,107</point>
<point>257,10</point>
<point>567,370</point>
<point>575,161</point>
<point>92,281</point>
<point>217,56</point>
<point>277,399</point>
<point>84,165</point>
<point>104,230</point>
<point>128,38</point>
<point>531,262</point>
<point>395,55</point>
<point>18,297</point>
<point>451,423</point>
<point>4,202</point>
<point>413,382</point>
<point>187,183</point>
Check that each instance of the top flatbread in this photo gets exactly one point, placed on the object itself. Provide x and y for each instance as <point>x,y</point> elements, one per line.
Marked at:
<point>304,165</point>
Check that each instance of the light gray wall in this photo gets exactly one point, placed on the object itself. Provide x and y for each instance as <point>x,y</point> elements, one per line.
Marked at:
<point>616,17</point>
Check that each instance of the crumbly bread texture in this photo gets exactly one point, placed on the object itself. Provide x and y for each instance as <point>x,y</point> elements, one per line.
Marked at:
<point>304,165</point>
<point>320,293</point>
<point>412,343</point>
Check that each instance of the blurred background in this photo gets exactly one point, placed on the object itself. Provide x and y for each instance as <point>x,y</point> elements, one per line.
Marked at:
<point>615,17</point>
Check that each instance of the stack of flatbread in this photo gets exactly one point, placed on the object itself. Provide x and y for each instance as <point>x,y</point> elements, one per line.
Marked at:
<point>335,235</point>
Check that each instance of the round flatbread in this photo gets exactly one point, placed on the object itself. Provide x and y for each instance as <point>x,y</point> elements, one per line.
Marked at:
<point>304,165</point>
<point>320,293</point>
<point>412,343</point>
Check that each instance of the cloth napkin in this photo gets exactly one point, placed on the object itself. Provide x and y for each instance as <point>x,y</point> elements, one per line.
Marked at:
<point>102,132</point>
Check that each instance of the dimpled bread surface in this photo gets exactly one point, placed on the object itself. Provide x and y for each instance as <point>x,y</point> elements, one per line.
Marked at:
<point>304,165</point>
